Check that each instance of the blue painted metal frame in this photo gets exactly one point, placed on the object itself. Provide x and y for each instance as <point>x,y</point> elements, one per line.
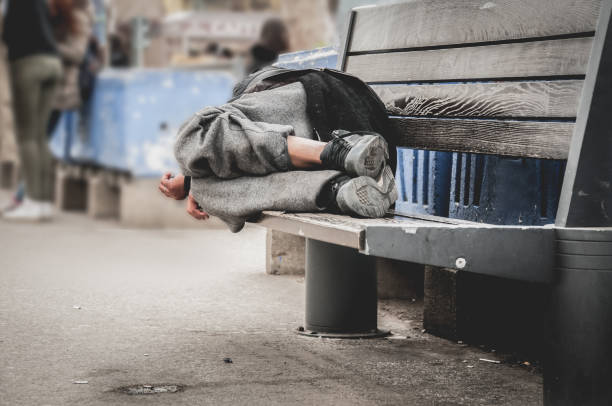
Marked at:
<point>423,179</point>
<point>500,190</point>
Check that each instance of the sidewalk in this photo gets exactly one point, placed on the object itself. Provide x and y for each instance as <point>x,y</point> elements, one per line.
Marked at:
<point>82,300</point>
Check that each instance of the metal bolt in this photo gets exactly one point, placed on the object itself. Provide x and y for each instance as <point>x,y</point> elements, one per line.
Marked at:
<point>460,263</point>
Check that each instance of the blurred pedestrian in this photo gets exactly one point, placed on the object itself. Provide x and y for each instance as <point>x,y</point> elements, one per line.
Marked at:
<point>88,71</point>
<point>35,72</point>
<point>73,26</point>
<point>273,40</point>
<point>119,57</point>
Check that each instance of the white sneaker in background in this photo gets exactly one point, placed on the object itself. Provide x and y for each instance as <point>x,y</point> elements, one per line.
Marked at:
<point>8,206</point>
<point>28,210</point>
<point>48,211</point>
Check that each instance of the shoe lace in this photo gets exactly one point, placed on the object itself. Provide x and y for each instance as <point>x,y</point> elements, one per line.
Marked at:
<point>344,133</point>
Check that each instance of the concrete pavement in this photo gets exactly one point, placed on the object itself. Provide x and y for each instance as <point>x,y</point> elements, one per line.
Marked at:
<point>83,300</point>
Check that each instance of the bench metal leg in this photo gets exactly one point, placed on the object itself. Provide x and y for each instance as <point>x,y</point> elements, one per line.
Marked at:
<point>341,299</point>
<point>578,369</point>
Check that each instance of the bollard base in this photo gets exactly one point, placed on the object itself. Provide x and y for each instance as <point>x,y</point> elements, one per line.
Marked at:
<point>315,334</point>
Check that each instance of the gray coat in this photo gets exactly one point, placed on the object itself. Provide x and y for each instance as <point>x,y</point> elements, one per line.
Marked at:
<point>237,156</point>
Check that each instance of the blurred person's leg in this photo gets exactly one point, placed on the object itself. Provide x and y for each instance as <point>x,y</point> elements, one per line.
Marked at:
<point>34,80</point>
<point>47,95</point>
<point>26,94</point>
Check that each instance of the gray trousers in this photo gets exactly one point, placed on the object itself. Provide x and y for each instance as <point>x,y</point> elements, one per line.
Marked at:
<point>237,156</point>
<point>35,80</point>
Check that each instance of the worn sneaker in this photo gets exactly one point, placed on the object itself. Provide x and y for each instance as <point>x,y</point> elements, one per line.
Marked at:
<point>356,153</point>
<point>28,211</point>
<point>367,197</point>
<point>15,201</point>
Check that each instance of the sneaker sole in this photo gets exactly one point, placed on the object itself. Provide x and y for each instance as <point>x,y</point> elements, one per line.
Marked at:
<point>368,157</point>
<point>367,197</point>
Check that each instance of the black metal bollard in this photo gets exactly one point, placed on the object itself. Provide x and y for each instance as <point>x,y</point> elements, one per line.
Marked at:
<point>341,298</point>
<point>578,366</point>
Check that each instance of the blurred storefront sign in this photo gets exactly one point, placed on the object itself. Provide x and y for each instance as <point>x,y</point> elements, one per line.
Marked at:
<point>188,35</point>
<point>215,25</point>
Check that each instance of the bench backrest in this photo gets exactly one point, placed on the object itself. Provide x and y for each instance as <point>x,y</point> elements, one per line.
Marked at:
<point>494,77</point>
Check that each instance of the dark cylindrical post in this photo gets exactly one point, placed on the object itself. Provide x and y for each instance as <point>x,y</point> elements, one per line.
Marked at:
<point>578,367</point>
<point>341,293</point>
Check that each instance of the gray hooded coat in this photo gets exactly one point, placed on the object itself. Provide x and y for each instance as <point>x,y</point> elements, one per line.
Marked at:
<point>237,156</point>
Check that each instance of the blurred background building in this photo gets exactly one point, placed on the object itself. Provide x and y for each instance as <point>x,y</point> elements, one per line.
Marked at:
<point>209,32</point>
<point>164,60</point>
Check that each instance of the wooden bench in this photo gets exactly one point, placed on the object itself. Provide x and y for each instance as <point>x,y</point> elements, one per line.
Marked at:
<point>518,78</point>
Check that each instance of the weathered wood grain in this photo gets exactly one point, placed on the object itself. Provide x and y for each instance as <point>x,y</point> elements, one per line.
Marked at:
<point>529,59</point>
<point>315,226</point>
<point>337,229</point>
<point>500,99</point>
<point>427,23</point>
<point>499,137</point>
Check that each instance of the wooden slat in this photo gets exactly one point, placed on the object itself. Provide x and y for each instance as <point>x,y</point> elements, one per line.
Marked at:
<point>338,229</point>
<point>499,99</point>
<point>427,23</point>
<point>529,59</point>
<point>310,226</point>
<point>512,138</point>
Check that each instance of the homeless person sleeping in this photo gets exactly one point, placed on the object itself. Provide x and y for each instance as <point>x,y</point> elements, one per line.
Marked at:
<point>289,140</point>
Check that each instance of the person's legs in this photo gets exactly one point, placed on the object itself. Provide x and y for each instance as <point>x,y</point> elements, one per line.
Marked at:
<point>235,200</point>
<point>305,153</point>
<point>34,80</point>
<point>357,154</point>
<point>26,94</point>
<point>47,95</point>
<point>224,143</point>
<point>267,132</point>
<point>228,144</point>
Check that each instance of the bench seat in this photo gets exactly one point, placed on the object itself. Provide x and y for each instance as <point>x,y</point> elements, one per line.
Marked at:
<point>517,252</point>
<point>341,229</point>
